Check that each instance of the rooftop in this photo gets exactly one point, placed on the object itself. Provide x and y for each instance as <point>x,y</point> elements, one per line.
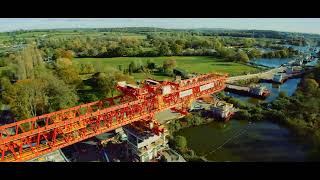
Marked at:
<point>142,133</point>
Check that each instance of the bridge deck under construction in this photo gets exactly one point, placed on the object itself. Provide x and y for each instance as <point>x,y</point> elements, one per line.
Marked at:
<point>30,138</point>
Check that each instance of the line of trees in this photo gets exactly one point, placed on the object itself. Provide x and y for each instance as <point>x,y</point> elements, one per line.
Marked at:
<point>283,53</point>
<point>155,44</point>
<point>31,87</point>
<point>117,46</point>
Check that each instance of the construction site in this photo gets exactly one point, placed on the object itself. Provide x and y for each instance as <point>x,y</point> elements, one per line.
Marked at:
<point>119,129</point>
<point>129,127</point>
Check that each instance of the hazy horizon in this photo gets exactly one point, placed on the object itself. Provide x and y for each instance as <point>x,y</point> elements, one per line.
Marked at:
<point>301,25</point>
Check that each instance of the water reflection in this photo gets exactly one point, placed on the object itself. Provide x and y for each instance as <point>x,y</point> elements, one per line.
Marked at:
<point>313,63</point>
<point>289,87</point>
<point>258,141</point>
<point>244,141</point>
<point>271,62</point>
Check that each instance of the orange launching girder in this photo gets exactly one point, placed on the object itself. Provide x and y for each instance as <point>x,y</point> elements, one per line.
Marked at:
<point>29,138</point>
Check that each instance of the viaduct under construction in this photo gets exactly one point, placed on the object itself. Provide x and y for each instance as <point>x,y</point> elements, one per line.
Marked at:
<point>137,105</point>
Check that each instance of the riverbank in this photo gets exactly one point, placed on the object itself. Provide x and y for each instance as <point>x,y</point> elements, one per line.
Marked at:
<point>176,125</point>
<point>241,140</point>
<point>285,128</point>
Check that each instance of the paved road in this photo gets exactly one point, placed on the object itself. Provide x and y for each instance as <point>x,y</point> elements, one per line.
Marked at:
<point>266,75</point>
<point>167,115</point>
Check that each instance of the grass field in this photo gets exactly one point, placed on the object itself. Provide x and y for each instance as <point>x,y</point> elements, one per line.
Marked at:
<point>199,64</point>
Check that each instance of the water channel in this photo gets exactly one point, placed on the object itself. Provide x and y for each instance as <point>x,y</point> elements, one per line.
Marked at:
<point>251,141</point>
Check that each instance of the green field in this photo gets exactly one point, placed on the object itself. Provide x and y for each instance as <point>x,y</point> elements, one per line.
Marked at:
<point>199,64</point>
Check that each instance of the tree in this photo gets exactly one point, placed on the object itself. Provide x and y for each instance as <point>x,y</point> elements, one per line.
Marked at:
<point>8,73</point>
<point>93,52</point>
<point>151,64</point>
<point>103,51</point>
<point>284,53</point>
<point>216,43</point>
<point>60,95</point>
<point>242,115</point>
<point>236,102</point>
<point>254,53</point>
<point>135,66</point>
<point>27,62</point>
<point>119,76</point>
<point>86,68</point>
<point>61,53</point>
<point>139,65</point>
<point>248,42</point>
<point>120,68</point>
<point>310,85</point>
<point>180,142</point>
<point>226,53</point>
<point>176,49</point>
<point>169,64</point>
<point>87,98</point>
<point>28,98</point>
<point>164,49</point>
<point>280,103</point>
<point>67,72</point>
<point>104,83</point>
<point>242,57</point>
<point>197,120</point>
<point>132,67</point>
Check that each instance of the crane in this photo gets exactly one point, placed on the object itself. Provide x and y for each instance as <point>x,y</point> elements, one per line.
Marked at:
<point>29,138</point>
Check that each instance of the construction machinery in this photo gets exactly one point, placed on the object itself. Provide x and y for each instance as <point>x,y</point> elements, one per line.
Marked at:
<point>30,138</point>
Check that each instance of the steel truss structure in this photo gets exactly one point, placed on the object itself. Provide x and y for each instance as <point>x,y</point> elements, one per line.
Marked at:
<point>29,138</point>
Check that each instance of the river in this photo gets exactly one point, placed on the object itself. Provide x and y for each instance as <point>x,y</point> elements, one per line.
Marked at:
<point>273,62</point>
<point>245,141</point>
<point>289,87</point>
<point>251,141</point>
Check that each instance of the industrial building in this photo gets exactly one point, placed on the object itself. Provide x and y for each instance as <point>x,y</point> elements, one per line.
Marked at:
<point>145,145</point>
<point>55,156</point>
<point>222,110</point>
<point>255,90</point>
<point>259,90</point>
<point>169,155</point>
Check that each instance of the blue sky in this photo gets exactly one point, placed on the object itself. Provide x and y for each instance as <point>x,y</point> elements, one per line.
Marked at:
<point>307,25</point>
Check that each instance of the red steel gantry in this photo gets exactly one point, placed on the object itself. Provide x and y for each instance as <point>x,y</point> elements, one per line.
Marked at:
<point>29,138</point>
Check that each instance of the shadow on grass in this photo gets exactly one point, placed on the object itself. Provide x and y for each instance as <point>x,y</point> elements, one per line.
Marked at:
<point>222,64</point>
